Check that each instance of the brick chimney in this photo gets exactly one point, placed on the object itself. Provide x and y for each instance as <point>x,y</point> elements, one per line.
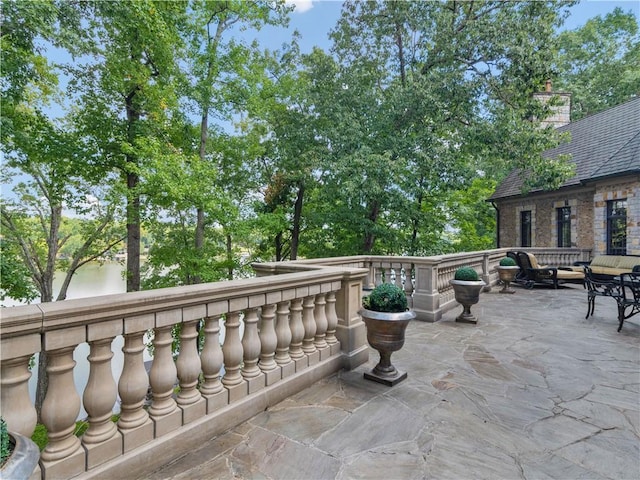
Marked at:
<point>561,111</point>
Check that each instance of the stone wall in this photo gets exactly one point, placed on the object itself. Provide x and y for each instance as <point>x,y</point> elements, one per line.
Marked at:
<point>588,216</point>
<point>543,218</point>
<point>629,190</point>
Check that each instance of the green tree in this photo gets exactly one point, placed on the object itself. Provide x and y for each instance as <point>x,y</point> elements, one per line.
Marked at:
<point>472,217</point>
<point>419,84</point>
<point>124,84</point>
<point>25,68</point>
<point>54,179</point>
<point>599,63</point>
<point>16,280</point>
<point>207,179</point>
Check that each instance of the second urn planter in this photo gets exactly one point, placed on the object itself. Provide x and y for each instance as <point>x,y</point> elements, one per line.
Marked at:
<point>467,287</point>
<point>507,271</point>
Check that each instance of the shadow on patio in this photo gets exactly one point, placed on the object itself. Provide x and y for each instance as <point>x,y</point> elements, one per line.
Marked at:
<point>533,391</point>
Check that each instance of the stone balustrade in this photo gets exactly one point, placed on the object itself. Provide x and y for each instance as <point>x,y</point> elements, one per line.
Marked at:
<point>295,323</point>
<point>280,335</point>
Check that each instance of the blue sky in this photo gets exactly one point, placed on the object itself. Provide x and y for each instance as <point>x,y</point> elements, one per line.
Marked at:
<point>314,19</point>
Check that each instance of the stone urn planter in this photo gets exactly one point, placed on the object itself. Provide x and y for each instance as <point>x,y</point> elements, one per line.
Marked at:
<point>507,275</point>
<point>386,329</point>
<point>23,458</point>
<point>507,271</point>
<point>467,288</point>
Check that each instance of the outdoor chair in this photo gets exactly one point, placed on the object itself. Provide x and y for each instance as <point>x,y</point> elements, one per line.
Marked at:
<point>543,274</point>
<point>629,299</point>
<point>521,277</point>
<point>597,287</point>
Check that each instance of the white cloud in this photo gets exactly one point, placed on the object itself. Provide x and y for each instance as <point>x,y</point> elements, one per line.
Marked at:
<point>301,6</point>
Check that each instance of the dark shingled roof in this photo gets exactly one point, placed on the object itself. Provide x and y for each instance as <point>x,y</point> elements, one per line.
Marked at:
<point>602,145</point>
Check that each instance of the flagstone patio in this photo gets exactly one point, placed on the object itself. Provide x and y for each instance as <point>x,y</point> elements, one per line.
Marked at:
<point>533,391</point>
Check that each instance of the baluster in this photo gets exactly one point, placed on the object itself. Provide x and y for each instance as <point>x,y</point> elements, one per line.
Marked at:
<point>251,344</point>
<point>308,347</point>
<point>188,365</point>
<point>211,357</point>
<point>408,283</point>
<point>398,275</point>
<point>232,350</point>
<point>321,323</point>
<point>378,275</point>
<point>15,405</point>
<point>163,374</point>
<point>297,331</point>
<point>269,343</point>
<point>283,334</point>
<point>371,277</point>
<point>100,393</point>
<point>61,406</point>
<point>332,322</point>
<point>133,384</point>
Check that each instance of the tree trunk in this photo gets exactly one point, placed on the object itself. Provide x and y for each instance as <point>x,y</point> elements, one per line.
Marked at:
<point>42,384</point>
<point>279,246</point>
<point>199,233</point>
<point>133,199</point>
<point>229,257</point>
<point>297,217</point>
<point>46,295</point>
<point>398,35</point>
<point>416,223</point>
<point>369,237</point>
<point>133,234</point>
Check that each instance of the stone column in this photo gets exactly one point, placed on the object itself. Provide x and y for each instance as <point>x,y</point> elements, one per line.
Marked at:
<point>351,331</point>
<point>426,297</point>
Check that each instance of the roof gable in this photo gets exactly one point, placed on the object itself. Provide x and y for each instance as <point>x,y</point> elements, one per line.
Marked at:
<point>601,145</point>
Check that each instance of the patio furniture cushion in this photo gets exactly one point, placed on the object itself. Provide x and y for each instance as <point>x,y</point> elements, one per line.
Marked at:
<point>532,272</point>
<point>563,273</point>
<point>613,265</point>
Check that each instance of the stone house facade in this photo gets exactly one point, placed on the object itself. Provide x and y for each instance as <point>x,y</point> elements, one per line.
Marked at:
<point>599,207</point>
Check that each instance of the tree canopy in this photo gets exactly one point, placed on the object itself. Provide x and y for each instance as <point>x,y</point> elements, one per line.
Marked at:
<point>126,119</point>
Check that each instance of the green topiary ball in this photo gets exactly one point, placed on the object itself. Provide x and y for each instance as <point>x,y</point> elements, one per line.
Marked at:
<point>466,273</point>
<point>4,441</point>
<point>386,297</point>
<point>507,262</point>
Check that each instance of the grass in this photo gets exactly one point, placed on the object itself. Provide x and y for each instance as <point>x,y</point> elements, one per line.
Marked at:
<point>41,436</point>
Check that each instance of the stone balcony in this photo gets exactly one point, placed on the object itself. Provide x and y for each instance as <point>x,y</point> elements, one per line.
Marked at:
<point>293,339</point>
